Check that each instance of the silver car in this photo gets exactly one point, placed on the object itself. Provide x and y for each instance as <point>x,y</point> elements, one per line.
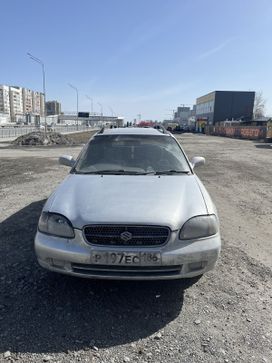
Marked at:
<point>130,208</point>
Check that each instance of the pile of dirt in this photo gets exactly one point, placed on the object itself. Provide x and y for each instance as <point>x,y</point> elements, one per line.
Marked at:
<point>40,138</point>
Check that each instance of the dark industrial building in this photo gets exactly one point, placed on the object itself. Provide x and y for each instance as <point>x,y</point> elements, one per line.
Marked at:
<point>53,108</point>
<point>225,105</point>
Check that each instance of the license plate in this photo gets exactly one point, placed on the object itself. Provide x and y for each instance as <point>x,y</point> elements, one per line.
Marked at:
<point>126,258</point>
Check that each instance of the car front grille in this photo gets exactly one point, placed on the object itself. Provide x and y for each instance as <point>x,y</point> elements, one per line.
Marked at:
<point>126,235</point>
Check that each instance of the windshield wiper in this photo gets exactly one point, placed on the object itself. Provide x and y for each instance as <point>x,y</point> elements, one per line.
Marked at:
<point>105,171</point>
<point>131,172</point>
<point>172,171</point>
<point>115,171</point>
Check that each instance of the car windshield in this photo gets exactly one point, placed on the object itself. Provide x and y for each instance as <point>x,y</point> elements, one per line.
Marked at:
<point>132,154</point>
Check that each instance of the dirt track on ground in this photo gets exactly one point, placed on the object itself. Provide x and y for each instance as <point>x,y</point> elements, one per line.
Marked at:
<point>223,317</point>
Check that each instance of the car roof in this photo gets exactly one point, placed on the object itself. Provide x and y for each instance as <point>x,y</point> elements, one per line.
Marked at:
<point>133,131</point>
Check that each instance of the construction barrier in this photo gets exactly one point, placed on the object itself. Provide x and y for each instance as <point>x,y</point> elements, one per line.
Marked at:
<point>243,132</point>
<point>269,130</point>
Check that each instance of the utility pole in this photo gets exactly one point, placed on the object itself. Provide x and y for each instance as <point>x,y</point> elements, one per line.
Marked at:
<point>37,60</point>
<point>90,98</point>
<point>101,111</point>
<point>75,88</point>
<point>111,110</point>
<point>172,113</point>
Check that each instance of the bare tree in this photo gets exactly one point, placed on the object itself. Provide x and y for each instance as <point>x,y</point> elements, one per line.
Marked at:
<point>259,105</point>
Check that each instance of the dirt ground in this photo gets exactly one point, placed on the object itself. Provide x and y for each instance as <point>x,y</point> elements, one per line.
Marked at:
<point>225,316</point>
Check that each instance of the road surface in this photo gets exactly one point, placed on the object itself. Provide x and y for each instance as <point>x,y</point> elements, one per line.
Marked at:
<point>223,317</point>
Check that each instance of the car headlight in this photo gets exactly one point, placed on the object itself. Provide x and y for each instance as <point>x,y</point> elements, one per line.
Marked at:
<point>199,227</point>
<point>56,225</point>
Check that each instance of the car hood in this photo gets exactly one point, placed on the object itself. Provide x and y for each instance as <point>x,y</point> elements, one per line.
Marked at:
<point>166,200</point>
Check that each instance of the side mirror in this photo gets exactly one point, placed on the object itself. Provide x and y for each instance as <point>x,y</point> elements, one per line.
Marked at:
<point>66,160</point>
<point>197,161</point>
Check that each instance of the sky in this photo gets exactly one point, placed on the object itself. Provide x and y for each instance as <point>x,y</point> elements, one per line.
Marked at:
<point>137,56</point>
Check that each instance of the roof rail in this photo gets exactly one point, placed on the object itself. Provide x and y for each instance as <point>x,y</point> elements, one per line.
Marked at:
<point>161,128</point>
<point>101,131</point>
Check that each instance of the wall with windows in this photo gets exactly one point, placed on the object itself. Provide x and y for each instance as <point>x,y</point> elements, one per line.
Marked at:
<point>205,107</point>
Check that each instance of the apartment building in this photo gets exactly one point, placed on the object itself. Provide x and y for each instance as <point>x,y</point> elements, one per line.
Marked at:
<point>33,102</point>
<point>182,114</point>
<point>27,100</point>
<point>53,108</point>
<point>4,100</point>
<point>16,102</point>
<point>36,102</point>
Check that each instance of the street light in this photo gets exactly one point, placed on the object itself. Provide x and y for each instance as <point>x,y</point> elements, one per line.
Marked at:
<point>101,108</point>
<point>101,111</point>
<point>90,98</point>
<point>112,112</point>
<point>35,59</point>
<point>74,88</point>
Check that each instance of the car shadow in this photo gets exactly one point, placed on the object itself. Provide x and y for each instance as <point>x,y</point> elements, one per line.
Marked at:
<point>46,312</point>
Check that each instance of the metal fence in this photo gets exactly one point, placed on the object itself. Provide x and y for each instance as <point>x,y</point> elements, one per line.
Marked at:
<point>243,132</point>
<point>13,132</point>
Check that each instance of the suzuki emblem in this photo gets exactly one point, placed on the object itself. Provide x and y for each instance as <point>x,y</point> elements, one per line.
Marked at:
<point>126,236</point>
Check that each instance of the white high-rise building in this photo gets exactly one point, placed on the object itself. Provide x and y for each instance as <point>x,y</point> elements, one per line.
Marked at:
<point>16,102</point>
<point>4,99</point>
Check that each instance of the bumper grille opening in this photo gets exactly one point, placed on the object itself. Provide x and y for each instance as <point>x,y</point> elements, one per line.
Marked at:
<point>115,271</point>
<point>126,235</point>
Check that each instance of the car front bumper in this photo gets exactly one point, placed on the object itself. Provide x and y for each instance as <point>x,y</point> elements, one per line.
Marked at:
<point>179,259</point>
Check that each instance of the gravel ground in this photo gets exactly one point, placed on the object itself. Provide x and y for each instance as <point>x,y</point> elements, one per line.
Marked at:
<point>225,316</point>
